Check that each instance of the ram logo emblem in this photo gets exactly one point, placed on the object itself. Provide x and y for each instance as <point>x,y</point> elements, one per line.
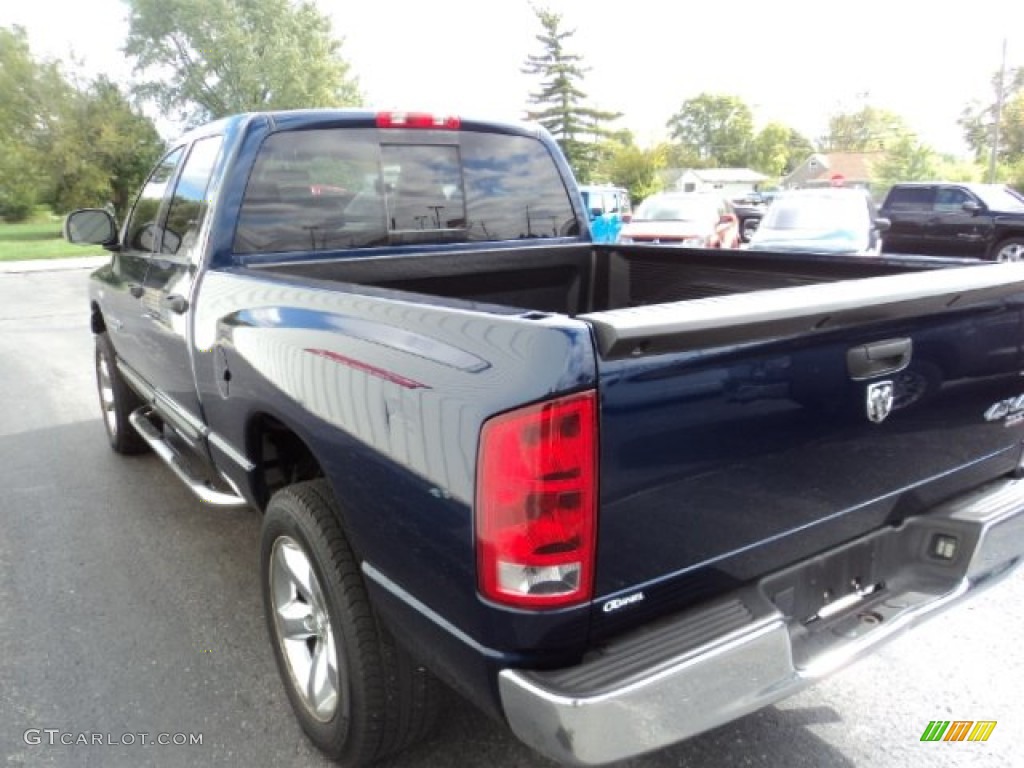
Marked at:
<point>879,401</point>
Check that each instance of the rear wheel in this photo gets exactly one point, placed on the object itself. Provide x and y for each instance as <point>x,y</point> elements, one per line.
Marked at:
<point>117,400</point>
<point>1011,249</point>
<point>356,693</point>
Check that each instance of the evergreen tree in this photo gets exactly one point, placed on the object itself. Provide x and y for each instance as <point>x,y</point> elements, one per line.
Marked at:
<point>561,101</point>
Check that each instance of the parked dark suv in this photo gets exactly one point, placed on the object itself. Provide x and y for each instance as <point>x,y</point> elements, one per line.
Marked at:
<point>984,221</point>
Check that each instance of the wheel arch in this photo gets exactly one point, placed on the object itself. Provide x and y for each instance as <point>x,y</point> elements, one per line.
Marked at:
<point>281,455</point>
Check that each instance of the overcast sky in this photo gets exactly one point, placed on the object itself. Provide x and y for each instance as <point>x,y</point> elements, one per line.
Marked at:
<point>786,58</point>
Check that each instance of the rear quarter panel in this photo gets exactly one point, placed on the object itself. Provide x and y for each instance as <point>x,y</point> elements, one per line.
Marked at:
<point>390,395</point>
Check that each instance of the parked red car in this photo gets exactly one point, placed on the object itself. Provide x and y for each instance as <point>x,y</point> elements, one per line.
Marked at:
<point>695,219</point>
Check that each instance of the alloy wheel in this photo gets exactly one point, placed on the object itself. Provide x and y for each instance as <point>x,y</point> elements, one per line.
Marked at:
<point>106,388</point>
<point>1011,252</point>
<point>303,629</point>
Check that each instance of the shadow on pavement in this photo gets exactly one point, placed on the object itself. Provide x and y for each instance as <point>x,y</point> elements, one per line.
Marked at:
<point>138,610</point>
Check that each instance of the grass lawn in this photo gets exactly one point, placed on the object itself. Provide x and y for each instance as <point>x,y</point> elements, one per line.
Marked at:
<point>40,238</point>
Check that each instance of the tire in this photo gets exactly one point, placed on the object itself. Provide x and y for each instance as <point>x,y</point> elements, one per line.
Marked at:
<point>1010,249</point>
<point>117,400</point>
<point>376,700</point>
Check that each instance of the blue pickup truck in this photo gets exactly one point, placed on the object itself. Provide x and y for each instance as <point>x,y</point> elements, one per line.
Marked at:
<point>614,495</point>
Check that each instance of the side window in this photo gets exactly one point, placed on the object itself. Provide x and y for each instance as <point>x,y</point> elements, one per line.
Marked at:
<point>911,199</point>
<point>189,204</point>
<point>141,233</point>
<point>950,200</point>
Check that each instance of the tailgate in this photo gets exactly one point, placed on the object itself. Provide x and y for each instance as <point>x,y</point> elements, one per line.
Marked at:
<point>743,433</point>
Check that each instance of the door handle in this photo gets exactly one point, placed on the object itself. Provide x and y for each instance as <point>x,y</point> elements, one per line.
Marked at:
<point>136,290</point>
<point>879,358</point>
<point>176,303</point>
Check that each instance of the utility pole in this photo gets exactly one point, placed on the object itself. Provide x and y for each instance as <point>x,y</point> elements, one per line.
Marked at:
<point>999,118</point>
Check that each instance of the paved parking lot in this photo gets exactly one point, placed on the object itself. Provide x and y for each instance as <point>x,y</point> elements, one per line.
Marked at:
<point>127,608</point>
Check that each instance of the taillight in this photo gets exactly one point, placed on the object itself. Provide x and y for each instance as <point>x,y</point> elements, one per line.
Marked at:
<point>536,503</point>
<point>417,120</point>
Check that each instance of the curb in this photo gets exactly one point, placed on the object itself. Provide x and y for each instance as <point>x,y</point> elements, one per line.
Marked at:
<point>52,265</point>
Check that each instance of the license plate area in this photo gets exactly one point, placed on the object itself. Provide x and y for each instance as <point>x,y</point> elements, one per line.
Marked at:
<point>828,584</point>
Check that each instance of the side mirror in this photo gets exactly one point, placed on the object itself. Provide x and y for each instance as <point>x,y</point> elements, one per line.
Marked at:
<point>91,226</point>
<point>627,217</point>
<point>882,225</point>
<point>971,207</point>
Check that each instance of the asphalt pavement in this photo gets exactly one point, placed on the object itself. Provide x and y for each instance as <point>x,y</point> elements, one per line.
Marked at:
<point>127,608</point>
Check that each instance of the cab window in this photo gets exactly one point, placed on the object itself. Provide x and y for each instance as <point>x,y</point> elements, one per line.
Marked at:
<point>917,199</point>
<point>189,204</point>
<point>142,231</point>
<point>951,200</point>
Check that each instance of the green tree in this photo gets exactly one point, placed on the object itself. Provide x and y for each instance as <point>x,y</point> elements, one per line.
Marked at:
<point>30,94</point>
<point>204,59</point>
<point>953,168</point>
<point>100,150</point>
<point>683,156</point>
<point>1015,175</point>
<point>627,165</point>
<point>778,149</point>
<point>718,129</point>
<point>907,159</point>
<point>977,121</point>
<point>561,101</point>
<point>869,129</point>
<point>64,143</point>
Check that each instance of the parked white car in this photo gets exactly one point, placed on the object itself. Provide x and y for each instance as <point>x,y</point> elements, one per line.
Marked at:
<point>829,220</point>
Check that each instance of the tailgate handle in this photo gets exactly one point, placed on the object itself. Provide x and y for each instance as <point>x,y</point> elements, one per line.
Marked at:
<point>879,358</point>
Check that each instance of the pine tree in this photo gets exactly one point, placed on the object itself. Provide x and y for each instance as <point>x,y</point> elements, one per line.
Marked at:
<point>562,110</point>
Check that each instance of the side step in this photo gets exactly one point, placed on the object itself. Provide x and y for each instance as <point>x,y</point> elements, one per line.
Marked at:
<point>140,419</point>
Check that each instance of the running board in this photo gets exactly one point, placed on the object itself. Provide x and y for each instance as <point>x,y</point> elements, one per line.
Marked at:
<point>140,419</point>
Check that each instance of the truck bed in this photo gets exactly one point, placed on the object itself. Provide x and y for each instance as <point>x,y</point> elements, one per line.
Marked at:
<point>579,279</point>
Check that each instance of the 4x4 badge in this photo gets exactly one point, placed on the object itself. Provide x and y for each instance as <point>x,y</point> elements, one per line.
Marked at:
<point>879,401</point>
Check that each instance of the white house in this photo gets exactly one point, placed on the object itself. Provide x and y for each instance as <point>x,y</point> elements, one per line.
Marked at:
<point>731,182</point>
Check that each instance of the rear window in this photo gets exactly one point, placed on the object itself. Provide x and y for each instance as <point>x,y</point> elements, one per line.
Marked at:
<point>910,199</point>
<point>353,188</point>
<point>664,208</point>
<point>807,212</point>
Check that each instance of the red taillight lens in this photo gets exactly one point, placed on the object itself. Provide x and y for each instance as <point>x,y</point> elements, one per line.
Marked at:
<point>536,503</point>
<point>417,120</point>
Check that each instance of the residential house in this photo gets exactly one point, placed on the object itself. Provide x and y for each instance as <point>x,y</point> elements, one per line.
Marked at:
<point>730,182</point>
<point>848,169</point>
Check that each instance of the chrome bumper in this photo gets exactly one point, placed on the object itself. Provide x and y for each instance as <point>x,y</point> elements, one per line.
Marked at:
<point>672,681</point>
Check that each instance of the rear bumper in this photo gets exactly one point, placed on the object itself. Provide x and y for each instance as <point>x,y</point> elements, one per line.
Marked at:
<point>701,670</point>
